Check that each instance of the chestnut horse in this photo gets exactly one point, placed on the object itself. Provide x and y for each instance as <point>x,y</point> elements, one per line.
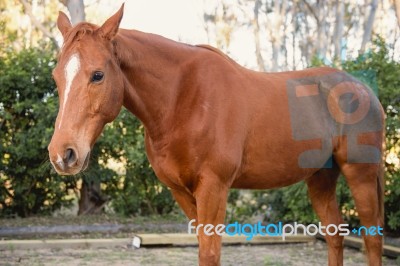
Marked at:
<point>211,125</point>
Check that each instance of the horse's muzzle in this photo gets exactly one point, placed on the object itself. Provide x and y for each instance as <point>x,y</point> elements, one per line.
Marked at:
<point>69,163</point>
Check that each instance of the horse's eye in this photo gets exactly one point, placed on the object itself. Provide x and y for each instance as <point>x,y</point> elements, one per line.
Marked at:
<point>97,76</point>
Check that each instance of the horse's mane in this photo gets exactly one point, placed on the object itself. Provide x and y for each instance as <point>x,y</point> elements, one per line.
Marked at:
<point>215,50</point>
<point>77,32</point>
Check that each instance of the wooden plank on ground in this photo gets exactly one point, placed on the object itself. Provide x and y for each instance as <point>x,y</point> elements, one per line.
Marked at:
<point>358,243</point>
<point>354,242</point>
<point>147,240</point>
<point>63,243</point>
<point>391,251</point>
<point>191,239</point>
<point>267,239</point>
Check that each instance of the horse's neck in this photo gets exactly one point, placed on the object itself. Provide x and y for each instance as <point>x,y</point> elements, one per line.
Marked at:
<point>152,66</point>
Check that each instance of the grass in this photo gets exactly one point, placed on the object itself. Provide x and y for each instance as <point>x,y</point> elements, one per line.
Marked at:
<point>11,248</point>
<point>270,261</point>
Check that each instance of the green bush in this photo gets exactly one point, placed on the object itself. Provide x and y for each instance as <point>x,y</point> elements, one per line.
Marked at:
<point>27,113</point>
<point>136,191</point>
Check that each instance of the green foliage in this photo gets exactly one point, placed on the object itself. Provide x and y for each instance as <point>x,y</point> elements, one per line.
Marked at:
<point>388,84</point>
<point>243,205</point>
<point>271,205</point>
<point>27,113</point>
<point>381,73</point>
<point>137,191</point>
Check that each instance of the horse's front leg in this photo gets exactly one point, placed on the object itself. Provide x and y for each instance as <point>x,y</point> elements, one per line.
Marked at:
<point>186,201</point>
<point>211,197</point>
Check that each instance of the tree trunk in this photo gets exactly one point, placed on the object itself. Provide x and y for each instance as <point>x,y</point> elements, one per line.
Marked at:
<point>276,34</point>
<point>324,38</point>
<point>91,200</point>
<point>368,25</point>
<point>315,12</point>
<point>256,25</point>
<point>76,10</point>
<point>338,33</point>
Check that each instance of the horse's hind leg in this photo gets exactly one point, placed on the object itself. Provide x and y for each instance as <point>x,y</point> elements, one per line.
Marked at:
<point>365,182</point>
<point>322,192</point>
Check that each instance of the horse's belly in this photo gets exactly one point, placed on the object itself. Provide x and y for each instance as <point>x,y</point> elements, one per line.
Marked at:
<point>273,177</point>
<point>279,163</point>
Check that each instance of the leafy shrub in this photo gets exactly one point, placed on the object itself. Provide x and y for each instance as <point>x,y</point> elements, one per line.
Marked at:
<point>27,113</point>
<point>136,191</point>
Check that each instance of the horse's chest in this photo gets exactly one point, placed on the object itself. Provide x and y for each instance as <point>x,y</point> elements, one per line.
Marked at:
<point>171,167</point>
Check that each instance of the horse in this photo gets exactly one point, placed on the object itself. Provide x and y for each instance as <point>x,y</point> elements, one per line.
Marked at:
<point>211,125</point>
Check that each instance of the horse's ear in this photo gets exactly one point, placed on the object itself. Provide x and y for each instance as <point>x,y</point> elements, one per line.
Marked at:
<point>110,28</point>
<point>63,23</point>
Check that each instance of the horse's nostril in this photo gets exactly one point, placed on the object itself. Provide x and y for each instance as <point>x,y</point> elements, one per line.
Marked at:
<point>70,157</point>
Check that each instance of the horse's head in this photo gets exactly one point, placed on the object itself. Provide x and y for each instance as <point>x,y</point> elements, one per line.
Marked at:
<point>90,87</point>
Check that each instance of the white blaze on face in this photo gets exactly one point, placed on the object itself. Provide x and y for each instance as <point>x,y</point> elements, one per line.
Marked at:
<point>71,69</point>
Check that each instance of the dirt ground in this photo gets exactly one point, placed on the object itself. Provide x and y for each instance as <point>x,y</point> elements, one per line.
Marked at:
<point>249,255</point>
<point>267,255</point>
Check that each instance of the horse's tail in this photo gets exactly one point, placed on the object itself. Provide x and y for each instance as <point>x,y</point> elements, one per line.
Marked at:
<point>381,182</point>
<point>381,193</point>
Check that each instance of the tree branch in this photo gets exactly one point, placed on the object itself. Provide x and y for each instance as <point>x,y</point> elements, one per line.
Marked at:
<point>36,23</point>
<point>312,11</point>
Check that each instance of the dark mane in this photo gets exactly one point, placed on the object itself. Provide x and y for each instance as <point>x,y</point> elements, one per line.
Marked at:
<point>78,32</point>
